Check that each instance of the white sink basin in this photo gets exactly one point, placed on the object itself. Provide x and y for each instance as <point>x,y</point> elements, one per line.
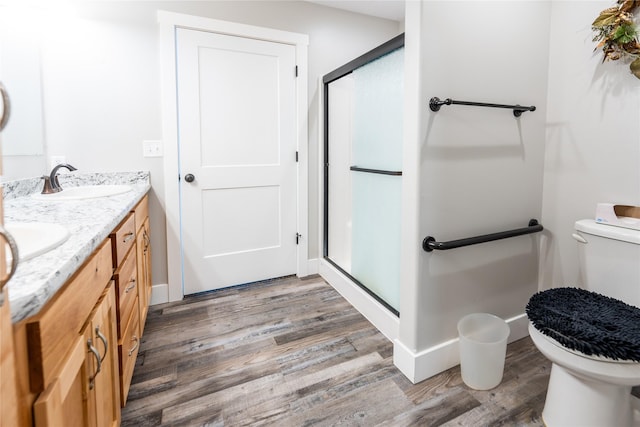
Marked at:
<point>85,192</point>
<point>36,238</point>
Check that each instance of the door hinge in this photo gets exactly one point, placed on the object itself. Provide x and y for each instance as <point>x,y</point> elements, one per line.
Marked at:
<point>296,71</point>
<point>296,157</point>
<point>298,236</point>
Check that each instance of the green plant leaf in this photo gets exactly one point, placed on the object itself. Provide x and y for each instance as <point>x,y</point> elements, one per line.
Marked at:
<point>625,33</point>
<point>635,68</point>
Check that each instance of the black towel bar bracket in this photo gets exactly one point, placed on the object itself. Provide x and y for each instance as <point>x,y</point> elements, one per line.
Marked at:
<point>435,103</point>
<point>429,243</point>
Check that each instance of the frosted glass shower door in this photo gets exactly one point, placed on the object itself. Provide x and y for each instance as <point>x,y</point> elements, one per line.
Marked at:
<point>376,179</point>
<point>364,175</point>
<point>340,118</point>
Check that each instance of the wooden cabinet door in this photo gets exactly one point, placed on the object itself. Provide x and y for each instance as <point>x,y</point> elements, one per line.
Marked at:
<point>143,249</point>
<point>86,390</point>
<point>63,402</point>
<point>104,385</point>
<point>147,259</point>
<point>128,348</point>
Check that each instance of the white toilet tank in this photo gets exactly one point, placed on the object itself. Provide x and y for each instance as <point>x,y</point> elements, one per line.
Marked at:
<point>609,260</point>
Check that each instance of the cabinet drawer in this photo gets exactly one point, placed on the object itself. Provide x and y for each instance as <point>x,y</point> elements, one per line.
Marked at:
<point>126,278</point>
<point>141,212</point>
<point>122,238</point>
<point>128,348</point>
<point>51,333</point>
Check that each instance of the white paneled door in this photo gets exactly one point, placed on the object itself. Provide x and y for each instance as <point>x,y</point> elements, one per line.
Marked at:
<point>237,147</point>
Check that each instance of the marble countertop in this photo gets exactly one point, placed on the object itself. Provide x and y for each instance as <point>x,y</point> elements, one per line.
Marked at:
<point>89,221</point>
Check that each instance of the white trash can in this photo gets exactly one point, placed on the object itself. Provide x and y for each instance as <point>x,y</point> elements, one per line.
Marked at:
<point>483,346</point>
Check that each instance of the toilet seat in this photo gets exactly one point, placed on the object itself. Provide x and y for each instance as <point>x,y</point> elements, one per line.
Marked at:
<point>625,373</point>
<point>588,356</point>
<point>587,323</point>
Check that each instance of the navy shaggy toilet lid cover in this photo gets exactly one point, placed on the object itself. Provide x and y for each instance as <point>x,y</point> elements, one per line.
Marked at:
<point>587,322</point>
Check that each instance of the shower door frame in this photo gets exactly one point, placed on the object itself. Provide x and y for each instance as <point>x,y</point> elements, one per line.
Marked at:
<point>385,48</point>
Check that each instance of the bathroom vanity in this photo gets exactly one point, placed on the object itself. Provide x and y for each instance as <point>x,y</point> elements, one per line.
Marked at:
<point>78,311</point>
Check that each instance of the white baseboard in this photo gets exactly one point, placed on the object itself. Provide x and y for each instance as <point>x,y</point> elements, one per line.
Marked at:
<point>418,366</point>
<point>159,294</point>
<point>385,321</point>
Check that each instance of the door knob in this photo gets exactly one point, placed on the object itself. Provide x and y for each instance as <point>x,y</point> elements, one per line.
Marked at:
<point>189,177</point>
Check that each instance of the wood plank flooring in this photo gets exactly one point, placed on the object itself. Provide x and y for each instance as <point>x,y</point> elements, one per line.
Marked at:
<point>293,352</point>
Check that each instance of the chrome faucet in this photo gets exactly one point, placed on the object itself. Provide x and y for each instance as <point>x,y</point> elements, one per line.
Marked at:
<point>53,177</point>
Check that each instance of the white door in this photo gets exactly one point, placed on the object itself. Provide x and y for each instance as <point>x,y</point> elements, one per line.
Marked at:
<point>237,139</point>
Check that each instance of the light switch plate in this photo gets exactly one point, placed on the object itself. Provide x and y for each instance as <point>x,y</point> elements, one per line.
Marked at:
<point>152,148</point>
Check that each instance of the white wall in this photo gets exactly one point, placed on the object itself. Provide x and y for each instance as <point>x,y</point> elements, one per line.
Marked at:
<point>102,85</point>
<point>587,128</point>
<point>475,170</point>
<point>593,136</point>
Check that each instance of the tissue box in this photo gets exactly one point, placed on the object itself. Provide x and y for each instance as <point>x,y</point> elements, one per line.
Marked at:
<point>618,215</point>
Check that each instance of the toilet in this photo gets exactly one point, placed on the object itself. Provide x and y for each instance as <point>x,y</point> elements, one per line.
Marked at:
<point>590,334</point>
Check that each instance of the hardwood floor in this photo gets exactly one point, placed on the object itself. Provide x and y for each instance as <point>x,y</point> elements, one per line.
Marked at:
<point>292,352</point>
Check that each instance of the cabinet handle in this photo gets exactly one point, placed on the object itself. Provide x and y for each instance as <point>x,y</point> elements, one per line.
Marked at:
<point>6,107</point>
<point>146,239</point>
<point>131,286</point>
<point>104,341</point>
<point>13,246</point>
<point>135,338</point>
<point>92,349</point>
<point>127,237</point>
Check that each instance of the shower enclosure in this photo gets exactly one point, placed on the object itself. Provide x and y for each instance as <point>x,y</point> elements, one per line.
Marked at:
<point>363,103</point>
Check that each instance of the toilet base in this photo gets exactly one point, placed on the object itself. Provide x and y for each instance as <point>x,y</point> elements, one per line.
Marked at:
<point>575,400</point>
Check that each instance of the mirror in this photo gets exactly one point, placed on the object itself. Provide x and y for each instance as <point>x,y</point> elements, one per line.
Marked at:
<point>23,147</point>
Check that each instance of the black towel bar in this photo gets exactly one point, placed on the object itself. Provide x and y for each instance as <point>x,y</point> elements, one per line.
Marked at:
<point>429,243</point>
<point>435,103</point>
